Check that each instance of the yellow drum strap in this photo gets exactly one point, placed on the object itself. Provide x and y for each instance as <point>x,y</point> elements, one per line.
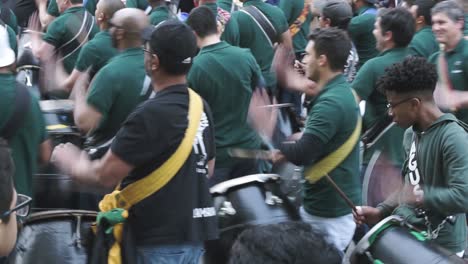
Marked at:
<point>330,162</point>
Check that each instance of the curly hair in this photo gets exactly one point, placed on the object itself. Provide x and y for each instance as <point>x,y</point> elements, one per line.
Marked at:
<point>412,75</point>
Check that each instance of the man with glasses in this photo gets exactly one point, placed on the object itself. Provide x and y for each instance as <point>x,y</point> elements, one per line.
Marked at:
<point>11,204</point>
<point>436,147</point>
<point>119,86</point>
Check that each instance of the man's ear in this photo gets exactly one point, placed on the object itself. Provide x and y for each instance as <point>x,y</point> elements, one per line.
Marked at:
<point>322,60</point>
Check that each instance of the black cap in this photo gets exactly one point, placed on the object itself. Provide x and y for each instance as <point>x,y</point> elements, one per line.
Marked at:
<point>337,11</point>
<point>172,41</point>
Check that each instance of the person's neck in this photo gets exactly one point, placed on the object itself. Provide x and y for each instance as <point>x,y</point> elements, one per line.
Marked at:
<point>325,77</point>
<point>75,5</point>
<point>164,81</point>
<point>388,46</point>
<point>428,115</point>
<point>208,40</point>
<point>452,43</point>
<point>128,45</point>
<point>420,26</point>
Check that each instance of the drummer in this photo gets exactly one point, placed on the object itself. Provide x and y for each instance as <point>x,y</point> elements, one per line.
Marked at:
<point>436,146</point>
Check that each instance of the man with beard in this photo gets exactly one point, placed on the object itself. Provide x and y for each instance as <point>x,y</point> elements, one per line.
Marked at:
<point>393,31</point>
<point>97,52</point>
<point>360,29</point>
<point>452,62</point>
<point>118,87</point>
<point>333,117</point>
<point>423,43</point>
<point>171,224</point>
<point>436,147</point>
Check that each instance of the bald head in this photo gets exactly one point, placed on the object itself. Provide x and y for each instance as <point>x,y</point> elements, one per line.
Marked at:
<point>109,7</point>
<point>130,19</point>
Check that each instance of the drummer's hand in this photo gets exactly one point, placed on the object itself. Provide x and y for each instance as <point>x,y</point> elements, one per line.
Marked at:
<point>277,156</point>
<point>367,214</point>
<point>262,114</point>
<point>412,195</point>
<point>66,157</point>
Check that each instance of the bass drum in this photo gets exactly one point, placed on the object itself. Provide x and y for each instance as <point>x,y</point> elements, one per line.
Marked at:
<point>54,237</point>
<point>244,202</point>
<point>394,241</point>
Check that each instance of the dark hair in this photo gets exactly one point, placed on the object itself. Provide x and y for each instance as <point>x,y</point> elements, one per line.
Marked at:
<point>412,75</point>
<point>401,23</point>
<point>202,21</point>
<point>7,168</point>
<point>424,9</point>
<point>76,1</point>
<point>451,8</point>
<point>284,243</point>
<point>333,43</point>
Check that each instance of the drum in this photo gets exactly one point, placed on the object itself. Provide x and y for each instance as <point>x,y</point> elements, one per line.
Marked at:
<point>243,202</point>
<point>54,237</point>
<point>27,66</point>
<point>394,241</point>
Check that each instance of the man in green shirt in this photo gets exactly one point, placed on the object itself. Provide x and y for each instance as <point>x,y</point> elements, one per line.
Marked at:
<point>451,91</point>
<point>298,15</point>
<point>361,27</point>
<point>7,16</point>
<point>424,43</point>
<point>159,12</point>
<point>140,4</point>
<point>119,86</point>
<point>225,76</point>
<point>243,31</point>
<point>332,119</point>
<point>67,34</point>
<point>97,52</point>
<point>227,5</point>
<point>29,144</point>
<point>436,147</point>
<point>49,10</point>
<point>394,30</point>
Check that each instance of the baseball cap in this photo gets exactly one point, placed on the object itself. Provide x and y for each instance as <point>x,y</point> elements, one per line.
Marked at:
<point>7,55</point>
<point>173,41</point>
<point>338,11</point>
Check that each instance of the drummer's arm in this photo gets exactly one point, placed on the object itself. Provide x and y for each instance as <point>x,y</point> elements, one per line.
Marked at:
<point>86,116</point>
<point>45,151</point>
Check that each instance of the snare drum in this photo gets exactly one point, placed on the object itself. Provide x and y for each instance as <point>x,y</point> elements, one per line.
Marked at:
<point>58,115</point>
<point>394,241</point>
<point>54,237</point>
<point>243,202</point>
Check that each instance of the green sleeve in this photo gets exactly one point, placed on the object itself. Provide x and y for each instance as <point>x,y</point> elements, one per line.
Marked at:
<point>11,21</point>
<point>52,9</point>
<point>283,24</point>
<point>323,119</point>
<point>102,92</point>
<point>141,4</point>
<point>257,73</point>
<point>12,40</point>
<point>87,57</point>
<point>453,198</point>
<point>55,33</point>
<point>231,32</point>
<point>286,6</point>
<point>365,81</point>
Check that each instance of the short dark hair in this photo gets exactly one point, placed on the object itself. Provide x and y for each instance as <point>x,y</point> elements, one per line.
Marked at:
<point>424,9</point>
<point>451,8</point>
<point>76,1</point>
<point>202,21</point>
<point>7,169</point>
<point>333,43</point>
<point>283,243</point>
<point>412,75</point>
<point>401,23</point>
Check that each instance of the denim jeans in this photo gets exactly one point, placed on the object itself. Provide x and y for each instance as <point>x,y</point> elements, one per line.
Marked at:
<point>188,253</point>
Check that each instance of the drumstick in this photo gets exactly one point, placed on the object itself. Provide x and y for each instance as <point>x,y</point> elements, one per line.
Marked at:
<point>341,193</point>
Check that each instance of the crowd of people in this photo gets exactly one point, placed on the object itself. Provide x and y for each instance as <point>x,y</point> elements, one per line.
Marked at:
<point>169,106</point>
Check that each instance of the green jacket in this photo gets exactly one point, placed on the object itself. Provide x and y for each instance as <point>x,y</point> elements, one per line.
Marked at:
<point>442,162</point>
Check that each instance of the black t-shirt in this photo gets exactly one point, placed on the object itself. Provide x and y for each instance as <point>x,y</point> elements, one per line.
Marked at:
<point>182,211</point>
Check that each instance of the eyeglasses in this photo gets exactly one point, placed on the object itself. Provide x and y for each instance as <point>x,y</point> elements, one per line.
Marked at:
<point>393,105</point>
<point>22,207</point>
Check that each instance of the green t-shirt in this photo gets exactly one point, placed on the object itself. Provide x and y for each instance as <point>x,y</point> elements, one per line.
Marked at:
<point>360,29</point>
<point>457,61</point>
<point>64,29</point>
<point>227,90</point>
<point>12,39</point>
<point>365,86</point>
<point>332,118</point>
<point>25,143</point>
<point>140,4</point>
<point>117,89</point>
<point>96,53</point>
<point>242,31</point>
<point>423,43</point>
<point>442,162</point>
<point>292,10</point>
<point>159,14</point>
<point>11,20</point>
<point>52,8</point>
<point>225,4</point>
<point>465,29</point>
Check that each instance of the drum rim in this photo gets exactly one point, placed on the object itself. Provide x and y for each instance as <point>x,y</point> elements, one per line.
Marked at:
<point>224,187</point>
<point>364,244</point>
<point>58,214</point>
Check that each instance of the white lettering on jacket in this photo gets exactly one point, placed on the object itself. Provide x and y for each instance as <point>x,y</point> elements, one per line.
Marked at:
<point>413,174</point>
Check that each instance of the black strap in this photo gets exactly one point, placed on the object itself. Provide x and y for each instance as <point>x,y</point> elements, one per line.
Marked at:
<point>83,33</point>
<point>21,105</point>
<point>263,22</point>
